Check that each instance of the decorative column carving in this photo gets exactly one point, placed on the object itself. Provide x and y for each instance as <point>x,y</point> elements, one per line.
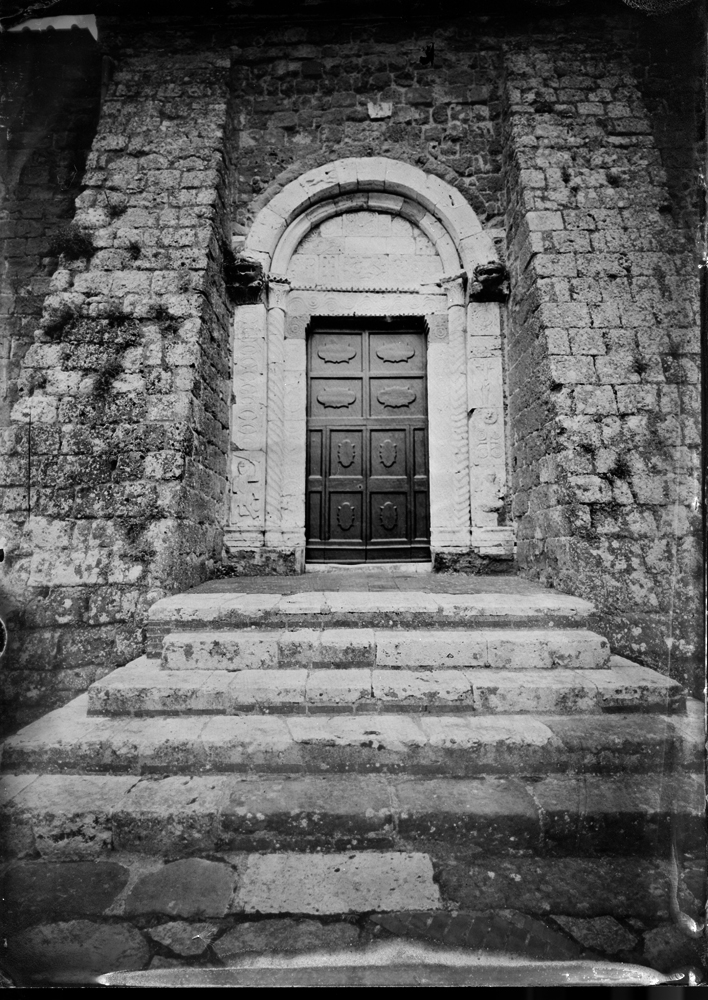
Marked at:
<point>248,429</point>
<point>455,286</point>
<point>278,289</point>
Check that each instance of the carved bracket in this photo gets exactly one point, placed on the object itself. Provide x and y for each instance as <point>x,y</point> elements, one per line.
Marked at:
<point>243,277</point>
<point>490,283</point>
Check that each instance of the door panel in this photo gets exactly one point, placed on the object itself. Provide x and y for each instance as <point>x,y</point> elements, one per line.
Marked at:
<point>388,453</point>
<point>367,471</point>
<point>336,397</point>
<point>346,457</point>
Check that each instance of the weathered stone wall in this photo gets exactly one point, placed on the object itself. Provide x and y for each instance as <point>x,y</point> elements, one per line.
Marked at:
<point>603,348</point>
<point>126,386</point>
<point>50,90</point>
<point>309,94</point>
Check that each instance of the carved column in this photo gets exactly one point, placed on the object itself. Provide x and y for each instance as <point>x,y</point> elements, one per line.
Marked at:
<point>457,396</point>
<point>248,435</point>
<point>278,288</point>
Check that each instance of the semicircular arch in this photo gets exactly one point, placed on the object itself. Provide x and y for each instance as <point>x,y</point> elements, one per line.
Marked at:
<point>373,184</point>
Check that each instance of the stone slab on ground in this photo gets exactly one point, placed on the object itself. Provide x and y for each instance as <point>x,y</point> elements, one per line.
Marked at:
<point>505,931</point>
<point>621,887</point>
<point>78,817</point>
<point>283,934</point>
<point>602,934</point>
<point>258,649</point>
<point>37,893</point>
<point>191,887</point>
<point>77,949</point>
<point>142,688</point>
<point>338,883</point>
<point>184,938</point>
<point>66,740</point>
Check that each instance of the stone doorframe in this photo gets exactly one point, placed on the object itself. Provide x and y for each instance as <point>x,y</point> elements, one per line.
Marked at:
<point>465,380</point>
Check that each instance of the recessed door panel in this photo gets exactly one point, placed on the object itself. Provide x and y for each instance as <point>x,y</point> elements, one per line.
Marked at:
<point>388,455</point>
<point>345,520</point>
<point>336,397</point>
<point>345,453</point>
<point>367,469</point>
<point>396,354</point>
<point>391,397</point>
<point>388,516</point>
<point>335,354</point>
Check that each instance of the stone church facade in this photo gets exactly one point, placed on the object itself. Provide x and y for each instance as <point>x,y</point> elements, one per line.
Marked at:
<point>351,288</point>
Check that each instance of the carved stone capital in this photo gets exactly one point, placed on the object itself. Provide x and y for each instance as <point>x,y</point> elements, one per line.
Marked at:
<point>278,289</point>
<point>454,285</point>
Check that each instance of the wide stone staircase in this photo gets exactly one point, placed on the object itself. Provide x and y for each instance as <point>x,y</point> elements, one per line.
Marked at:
<point>328,768</point>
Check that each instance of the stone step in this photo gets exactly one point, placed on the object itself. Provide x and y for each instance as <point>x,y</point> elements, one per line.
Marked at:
<point>362,609</point>
<point>461,745</point>
<point>141,688</point>
<point>264,649</point>
<point>59,817</point>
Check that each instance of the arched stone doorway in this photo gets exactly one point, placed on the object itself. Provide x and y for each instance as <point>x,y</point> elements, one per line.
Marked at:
<point>368,237</point>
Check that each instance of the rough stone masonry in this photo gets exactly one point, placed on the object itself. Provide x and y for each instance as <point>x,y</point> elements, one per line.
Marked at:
<point>573,134</point>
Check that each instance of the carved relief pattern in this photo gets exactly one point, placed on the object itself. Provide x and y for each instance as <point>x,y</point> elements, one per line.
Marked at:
<point>249,394</point>
<point>388,514</point>
<point>247,491</point>
<point>388,450</point>
<point>395,352</point>
<point>296,327</point>
<point>276,425</point>
<point>486,441</point>
<point>345,516</point>
<point>346,453</point>
<point>396,397</point>
<point>458,403</point>
<point>438,328</point>
<point>484,382</point>
<point>334,353</point>
<point>336,397</point>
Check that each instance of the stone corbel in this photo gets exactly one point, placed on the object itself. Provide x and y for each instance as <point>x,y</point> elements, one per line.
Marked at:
<point>455,285</point>
<point>278,289</point>
<point>490,283</point>
<point>243,277</point>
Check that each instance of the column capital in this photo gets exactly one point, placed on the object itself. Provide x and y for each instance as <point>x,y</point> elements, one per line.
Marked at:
<point>278,288</point>
<point>455,285</point>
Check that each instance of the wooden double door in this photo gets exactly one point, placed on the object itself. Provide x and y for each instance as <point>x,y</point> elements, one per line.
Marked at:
<point>367,442</point>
